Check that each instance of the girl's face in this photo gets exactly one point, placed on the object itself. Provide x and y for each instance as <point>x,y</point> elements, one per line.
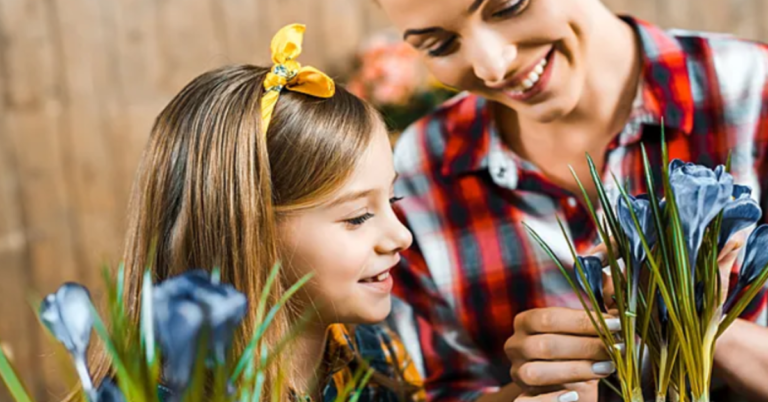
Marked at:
<point>350,242</point>
<point>528,55</point>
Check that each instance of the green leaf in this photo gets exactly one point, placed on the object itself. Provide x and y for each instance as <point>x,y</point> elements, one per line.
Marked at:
<point>125,380</point>
<point>744,301</point>
<point>11,379</point>
<point>120,291</point>
<point>361,386</point>
<point>147,324</point>
<point>216,275</point>
<point>264,324</point>
<point>601,329</point>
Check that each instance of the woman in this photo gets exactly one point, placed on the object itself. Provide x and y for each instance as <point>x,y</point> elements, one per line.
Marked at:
<point>547,81</point>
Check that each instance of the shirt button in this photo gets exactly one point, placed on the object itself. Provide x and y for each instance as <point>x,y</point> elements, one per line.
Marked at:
<point>572,202</point>
<point>501,172</point>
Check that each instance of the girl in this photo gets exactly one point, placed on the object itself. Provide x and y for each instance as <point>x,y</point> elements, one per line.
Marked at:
<point>249,166</point>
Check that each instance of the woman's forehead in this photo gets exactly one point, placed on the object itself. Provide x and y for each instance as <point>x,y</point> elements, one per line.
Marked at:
<point>421,14</point>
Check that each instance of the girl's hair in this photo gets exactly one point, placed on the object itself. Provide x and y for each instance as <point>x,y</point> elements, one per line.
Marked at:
<point>210,188</point>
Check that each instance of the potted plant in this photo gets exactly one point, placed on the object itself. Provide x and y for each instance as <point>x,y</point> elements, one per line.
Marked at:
<point>662,251</point>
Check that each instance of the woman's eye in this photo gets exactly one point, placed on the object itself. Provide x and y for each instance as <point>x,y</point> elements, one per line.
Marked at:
<point>514,8</point>
<point>443,48</point>
<point>357,221</point>
<point>394,200</point>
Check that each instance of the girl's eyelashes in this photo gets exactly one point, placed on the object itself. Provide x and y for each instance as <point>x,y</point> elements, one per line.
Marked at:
<point>394,200</point>
<point>359,220</point>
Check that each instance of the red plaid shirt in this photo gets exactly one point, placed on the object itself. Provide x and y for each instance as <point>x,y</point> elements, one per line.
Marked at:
<point>473,267</point>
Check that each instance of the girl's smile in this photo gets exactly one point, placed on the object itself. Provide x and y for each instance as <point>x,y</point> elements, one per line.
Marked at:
<point>381,282</point>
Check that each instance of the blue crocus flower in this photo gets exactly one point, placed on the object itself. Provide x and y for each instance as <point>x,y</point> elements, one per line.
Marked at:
<point>109,392</point>
<point>593,270</point>
<point>178,325</point>
<point>183,307</point>
<point>755,261</point>
<point>67,315</point>
<point>644,214</point>
<point>741,212</point>
<point>700,194</point>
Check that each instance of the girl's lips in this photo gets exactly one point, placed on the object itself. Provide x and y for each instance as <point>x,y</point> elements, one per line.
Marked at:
<point>382,286</point>
<point>381,282</point>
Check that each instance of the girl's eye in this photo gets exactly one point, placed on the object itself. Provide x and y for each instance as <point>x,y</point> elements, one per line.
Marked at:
<point>394,200</point>
<point>360,219</point>
<point>443,48</point>
<point>515,8</point>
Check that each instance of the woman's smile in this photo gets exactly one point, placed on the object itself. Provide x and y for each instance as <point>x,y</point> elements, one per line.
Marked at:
<point>531,81</point>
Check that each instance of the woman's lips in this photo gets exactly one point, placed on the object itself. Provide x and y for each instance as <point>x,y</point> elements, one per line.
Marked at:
<point>535,81</point>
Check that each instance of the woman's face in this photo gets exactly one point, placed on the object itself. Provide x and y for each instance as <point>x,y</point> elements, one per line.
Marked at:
<point>528,55</point>
<point>350,243</point>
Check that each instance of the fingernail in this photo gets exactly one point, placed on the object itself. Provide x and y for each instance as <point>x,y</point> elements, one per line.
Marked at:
<point>603,368</point>
<point>572,396</point>
<point>613,324</point>
<point>607,271</point>
<point>620,347</point>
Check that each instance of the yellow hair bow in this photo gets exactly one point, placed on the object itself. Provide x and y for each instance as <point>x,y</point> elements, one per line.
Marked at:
<point>287,73</point>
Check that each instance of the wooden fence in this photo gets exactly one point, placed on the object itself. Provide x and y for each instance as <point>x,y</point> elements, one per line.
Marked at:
<point>81,81</point>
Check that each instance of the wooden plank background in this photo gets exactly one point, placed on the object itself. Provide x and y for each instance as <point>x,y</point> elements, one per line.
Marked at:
<point>81,81</point>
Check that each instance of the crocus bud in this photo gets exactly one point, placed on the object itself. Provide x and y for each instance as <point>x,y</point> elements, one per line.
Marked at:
<point>67,315</point>
<point>593,270</point>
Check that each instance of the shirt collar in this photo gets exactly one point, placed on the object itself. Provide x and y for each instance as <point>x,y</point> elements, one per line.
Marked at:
<point>339,350</point>
<point>664,94</point>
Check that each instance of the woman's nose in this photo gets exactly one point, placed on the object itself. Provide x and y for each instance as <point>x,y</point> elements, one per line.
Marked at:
<point>491,56</point>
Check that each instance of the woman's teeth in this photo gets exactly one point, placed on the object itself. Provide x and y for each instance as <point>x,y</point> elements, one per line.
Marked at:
<point>378,278</point>
<point>532,78</point>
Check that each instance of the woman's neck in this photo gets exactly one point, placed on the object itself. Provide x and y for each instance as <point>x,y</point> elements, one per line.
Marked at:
<point>603,109</point>
<point>612,79</point>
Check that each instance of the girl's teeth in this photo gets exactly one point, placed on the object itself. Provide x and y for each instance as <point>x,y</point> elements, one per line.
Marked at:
<point>378,278</point>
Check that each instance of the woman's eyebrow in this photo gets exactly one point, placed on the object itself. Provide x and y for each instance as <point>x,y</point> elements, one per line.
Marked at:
<point>423,31</point>
<point>475,6</point>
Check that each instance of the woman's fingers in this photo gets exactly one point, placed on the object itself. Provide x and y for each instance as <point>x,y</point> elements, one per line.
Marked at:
<point>581,392</point>
<point>560,320</point>
<point>564,347</point>
<point>560,396</point>
<point>547,373</point>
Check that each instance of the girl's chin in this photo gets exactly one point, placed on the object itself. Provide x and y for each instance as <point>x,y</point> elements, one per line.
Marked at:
<point>374,314</point>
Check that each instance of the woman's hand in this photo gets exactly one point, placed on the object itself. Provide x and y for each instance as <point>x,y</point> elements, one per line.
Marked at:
<point>555,348</point>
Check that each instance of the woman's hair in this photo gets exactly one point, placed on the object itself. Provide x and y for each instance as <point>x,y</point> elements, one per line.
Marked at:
<point>211,187</point>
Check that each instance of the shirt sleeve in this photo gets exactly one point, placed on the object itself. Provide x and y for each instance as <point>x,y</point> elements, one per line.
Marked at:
<point>453,368</point>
